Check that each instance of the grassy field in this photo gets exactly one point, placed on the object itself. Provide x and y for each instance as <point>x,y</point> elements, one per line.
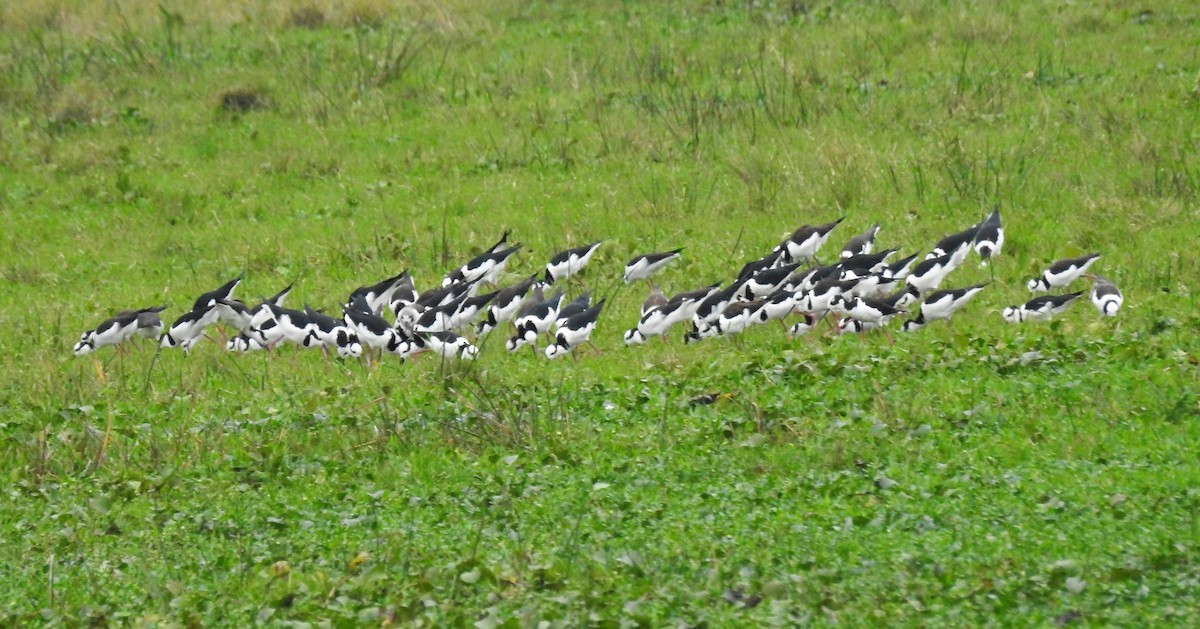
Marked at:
<point>980,474</point>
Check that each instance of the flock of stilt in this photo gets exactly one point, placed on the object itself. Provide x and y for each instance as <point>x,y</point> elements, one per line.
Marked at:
<point>861,291</point>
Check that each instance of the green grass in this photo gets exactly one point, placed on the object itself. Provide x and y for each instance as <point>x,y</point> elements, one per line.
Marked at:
<point>980,474</point>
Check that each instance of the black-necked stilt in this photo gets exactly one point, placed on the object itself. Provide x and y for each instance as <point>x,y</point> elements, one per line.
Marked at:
<point>112,331</point>
<point>372,330</point>
<point>244,342</point>
<point>710,309</point>
<point>189,328</point>
<point>820,299</point>
<point>956,245</point>
<point>927,275</point>
<point>1106,296</point>
<point>692,299</point>
<point>900,268</point>
<point>658,320</point>
<point>448,345</point>
<point>327,332</point>
<point>293,325</point>
<point>470,309</point>
<point>866,310</point>
<point>210,299</point>
<point>643,266</point>
<point>809,279</point>
<point>753,267</point>
<point>149,323</point>
<point>432,318</point>
<point>655,299</point>
<point>990,237</point>
<point>1039,308</point>
<point>382,294</point>
<point>941,304</point>
<point>861,244</point>
<point>567,263</point>
<point>484,268</point>
<point>535,322</point>
<point>764,283</point>
<point>502,243</point>
<point>735,318</point>
<point>506,304</point>
<point>574,331</point>
<point>864,263</point>
<point>442,296</point>
<point>850,325</point>
<point>800,328</point>
<point>776,307</point>
<point>572,308</point>
<point>1062,273</point>
<point>804,243</point>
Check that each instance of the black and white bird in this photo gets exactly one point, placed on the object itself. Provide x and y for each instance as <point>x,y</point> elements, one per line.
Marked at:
<point>804,243</point>
<point>330,333</point>
<point>776,307</point>
<point>765,282</point>
<point>655,299</point>
<point>484,268</point>
<point>989,237</point>
<point>382,294</point>
<point>753,267</point>
<point>1040,308</point>
<point>809,279</point>
<point>1062,273</point>
<point>111,332</point>
<point>900,268</point>
<point>871,286</point>
<point>448,345</point>
<point>189,328</point>
<point>864,263</point>
<point>285,324</point>
<point>567,263</point>
<point>866,310</point>
<point>643,266</point>
<point>658,321</point>
<point>437,297</point>
<point>574,331</point>
<point>535,322</point>
<point>149,323</point>
<point>956,245</point>
<point>502,243</point>
<point>850,325</point>
<point>941,304</point>
<point>506,304</point>
<point>735,318</point>
<point>1106,296</point>
<point>572,308</point>
<point>431,318</point>
<point>210,299</point>
<point>243,318</point>
<point>861,244</point>
<point>927,275</point>
<point>470,309</point>
<point>800,328</point>
<point>692,299</point>
<point>820,299</point>
<point>706,314</point>
<point>372,330</point>
<point>244,342</point>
